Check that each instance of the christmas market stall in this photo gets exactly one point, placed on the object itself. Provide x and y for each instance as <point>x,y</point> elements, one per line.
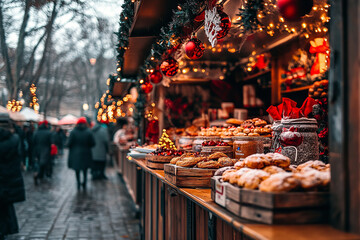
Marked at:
<point>242,116</point>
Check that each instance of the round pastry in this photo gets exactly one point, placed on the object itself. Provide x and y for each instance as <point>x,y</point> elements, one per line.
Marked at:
<point>273,169</point>
<point>225,161</point>
<point>279,160</point>
<point>241,134</point>
<point>258,130</point>
<point>208,164</point>
<point>174,160</point>
<point>189,161</point>
<point>311,178</point>
<point>239,164</point>
<point>246,130</point>
<point>228,174</point>
<point>260,123</point>
<point>217,155</point>
<point>222,170</point>
<point>252,178</point>
<point>279,182</point>
<point>234,177</point>
<point>256,161</point>
<point>253,134</point>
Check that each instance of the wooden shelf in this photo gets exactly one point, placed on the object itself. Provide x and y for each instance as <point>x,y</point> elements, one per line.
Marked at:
<point>256,75</point>
<point>297,89</point>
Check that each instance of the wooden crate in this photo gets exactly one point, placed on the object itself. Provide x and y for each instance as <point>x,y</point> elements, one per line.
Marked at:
<point>188,177</point>
<point>157,162</point>
<point>273,208</point>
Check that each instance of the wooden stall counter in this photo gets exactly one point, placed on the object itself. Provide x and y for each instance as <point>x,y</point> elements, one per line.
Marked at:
<point>207,220</point>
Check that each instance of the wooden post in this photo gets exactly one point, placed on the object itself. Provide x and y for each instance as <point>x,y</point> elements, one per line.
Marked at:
<point>344,115</point>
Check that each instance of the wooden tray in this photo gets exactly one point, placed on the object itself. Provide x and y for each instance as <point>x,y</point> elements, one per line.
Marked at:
<point>188,177</point>
<point>271,208</point>
<point>157,162</point>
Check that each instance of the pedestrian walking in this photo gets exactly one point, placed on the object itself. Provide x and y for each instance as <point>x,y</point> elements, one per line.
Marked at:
<point>80,142</point>
<point>11,182</point>
<point>42,146</point>
<point>100,151</point>
<point>59,139</point>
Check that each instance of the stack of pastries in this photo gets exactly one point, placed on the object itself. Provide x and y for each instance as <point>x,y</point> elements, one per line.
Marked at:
<point>252,128</point>
<point>272,172</point>
<point>213,161</point>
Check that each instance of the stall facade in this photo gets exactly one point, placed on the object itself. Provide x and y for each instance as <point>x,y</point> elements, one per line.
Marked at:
<point>254,67</point>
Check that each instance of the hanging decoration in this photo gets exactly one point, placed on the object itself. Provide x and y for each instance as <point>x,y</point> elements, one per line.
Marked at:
<point>146,87</point>
<point>33,99</point>
<point>302,17</point>
<point>169,67</point>
<point>225,25</point>
<point>212,25</point>
<point>14,105</point>
<point>155,77</point>
<point>294,10</point>
<point>126,20</point>
<point>172,35</point>
<point>320,47</point>
<point>194,48</point>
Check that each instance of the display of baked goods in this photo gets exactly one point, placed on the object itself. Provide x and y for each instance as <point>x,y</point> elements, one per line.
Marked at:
<point>213,161</point>
<point>319,89</point>
<point>166,152</point>
<point>252,128</point>
<point>234,121</point>
<point>272,172</point>
<point>214,144</point>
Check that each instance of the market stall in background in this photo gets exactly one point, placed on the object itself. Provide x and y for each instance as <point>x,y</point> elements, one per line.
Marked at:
<point>230,103</point>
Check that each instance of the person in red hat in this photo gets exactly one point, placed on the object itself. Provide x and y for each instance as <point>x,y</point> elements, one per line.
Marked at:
<point>42,140</point>
<point>80,142</point>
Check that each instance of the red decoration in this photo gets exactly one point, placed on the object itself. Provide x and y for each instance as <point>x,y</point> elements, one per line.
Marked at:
<point>194,48</point>
<point>146,87</point>
<point>169,67</point>
<point>290,137</point>
<point>156,77</point>
<point>200,17</point>
<point>293,10</point>
<point>225,25</point>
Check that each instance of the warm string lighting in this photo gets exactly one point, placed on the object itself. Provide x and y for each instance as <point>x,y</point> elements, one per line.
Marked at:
<point>116,109</point>
<point>34,100</point>
<point>271,21</point>
<point>220,48</point>
<point>14,105</point>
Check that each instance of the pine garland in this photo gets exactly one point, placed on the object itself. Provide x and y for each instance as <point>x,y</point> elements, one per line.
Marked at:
<point>249,15</point>
<point>126,21</point>
<point>171,35</point>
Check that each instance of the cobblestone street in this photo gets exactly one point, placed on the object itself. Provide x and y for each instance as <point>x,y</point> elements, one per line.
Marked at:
<point>55,209</point>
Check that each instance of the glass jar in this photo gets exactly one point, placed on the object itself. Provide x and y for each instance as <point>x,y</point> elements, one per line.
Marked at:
<point>185,142</point>
<point>246,146</point>
<point>197,143</point>
<point>308,149</point>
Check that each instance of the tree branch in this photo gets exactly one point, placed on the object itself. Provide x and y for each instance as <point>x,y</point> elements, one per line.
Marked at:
<point>4,52</point>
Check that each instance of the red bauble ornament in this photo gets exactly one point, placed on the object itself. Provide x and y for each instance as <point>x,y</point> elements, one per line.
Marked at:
<point>156,77</point>
<point>293,10</point>
<point>194,48</point>
<point>169,67</point>
<point>146,87</point>
<point>225,25</point>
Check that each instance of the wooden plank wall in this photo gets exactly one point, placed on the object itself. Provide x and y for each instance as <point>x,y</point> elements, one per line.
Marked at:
<point>344,114</point>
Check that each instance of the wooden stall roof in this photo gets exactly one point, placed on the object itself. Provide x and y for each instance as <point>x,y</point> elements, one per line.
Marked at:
<point>150,16</point>
<point>202,197</point>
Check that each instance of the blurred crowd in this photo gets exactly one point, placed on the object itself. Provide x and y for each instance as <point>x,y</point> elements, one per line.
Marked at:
<point>36,147</point>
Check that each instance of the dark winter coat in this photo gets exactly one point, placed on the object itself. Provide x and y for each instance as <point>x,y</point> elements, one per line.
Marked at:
<point>101,143</point>
<point>42,144</point>
<point>80,142</point>
<point>58,139</point>
<point>11,182</point>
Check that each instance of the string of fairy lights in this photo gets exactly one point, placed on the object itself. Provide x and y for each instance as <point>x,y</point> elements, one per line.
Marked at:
<point>270,21</point>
